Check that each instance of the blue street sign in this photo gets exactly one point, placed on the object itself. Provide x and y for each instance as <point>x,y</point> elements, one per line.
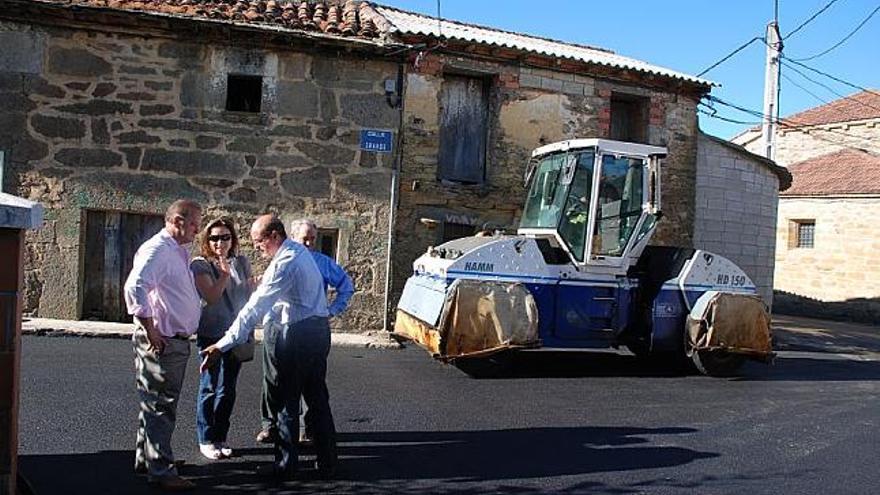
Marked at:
<point>376,141</point>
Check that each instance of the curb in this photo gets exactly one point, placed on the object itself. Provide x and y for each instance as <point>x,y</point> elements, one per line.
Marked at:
<point>47,327</point>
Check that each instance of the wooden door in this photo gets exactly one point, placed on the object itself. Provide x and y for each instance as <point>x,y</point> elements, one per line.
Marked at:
<point>463,132</point>
<point>112,238</point>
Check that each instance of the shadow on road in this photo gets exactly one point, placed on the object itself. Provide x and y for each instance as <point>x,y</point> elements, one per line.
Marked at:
<point>509,454</point>
<point>797,366</point>
<point>812,369</point>
<point>399,462</point>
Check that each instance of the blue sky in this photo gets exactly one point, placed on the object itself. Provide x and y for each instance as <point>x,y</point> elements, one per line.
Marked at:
<point>691,35</point>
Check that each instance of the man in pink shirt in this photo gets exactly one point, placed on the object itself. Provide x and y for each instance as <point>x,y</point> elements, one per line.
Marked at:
<point>161,296</point>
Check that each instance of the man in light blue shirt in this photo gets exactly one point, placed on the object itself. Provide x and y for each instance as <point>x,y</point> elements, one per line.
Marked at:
<point>296,341</point>
<point>304,232</point>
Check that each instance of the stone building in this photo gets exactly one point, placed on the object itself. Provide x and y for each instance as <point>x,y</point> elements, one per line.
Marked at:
<point>109,110</point>
<point>826,243</point>
<point>478,100</point>
<point>846,123</point>
<point>827,237</point>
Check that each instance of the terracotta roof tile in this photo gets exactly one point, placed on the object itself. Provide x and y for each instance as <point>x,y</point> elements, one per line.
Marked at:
<point>859,106</point>
<point>335,17</point>
<point>846,171</point>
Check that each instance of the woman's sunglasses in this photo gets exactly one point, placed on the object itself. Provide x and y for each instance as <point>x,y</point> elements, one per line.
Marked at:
<point>217,238</point>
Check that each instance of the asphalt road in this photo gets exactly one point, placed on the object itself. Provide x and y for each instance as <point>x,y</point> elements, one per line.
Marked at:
<point>566,423</point>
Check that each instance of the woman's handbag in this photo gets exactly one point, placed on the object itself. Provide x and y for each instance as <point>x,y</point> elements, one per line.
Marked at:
<point>244,352</point>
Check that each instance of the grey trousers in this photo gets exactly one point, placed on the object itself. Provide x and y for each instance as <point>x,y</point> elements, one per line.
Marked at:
<point>159,380</point>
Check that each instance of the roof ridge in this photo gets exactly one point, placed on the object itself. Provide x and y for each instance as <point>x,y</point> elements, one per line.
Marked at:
<point>847,150</point>
<point>489,28</point>
<point>832,106</point>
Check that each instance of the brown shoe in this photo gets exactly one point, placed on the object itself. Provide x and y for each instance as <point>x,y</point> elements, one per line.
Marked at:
<point>172,483</point>
<point>268,436</point>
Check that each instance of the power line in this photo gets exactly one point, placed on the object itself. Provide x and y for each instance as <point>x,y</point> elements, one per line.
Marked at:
<point>714,115</point>
<point>829,76</point>
<point>742,47</point>
<point>817,14</point>
<point>788,123</point>
<point>805,90</point>
<point>864,104</point>
<point>850,35</point>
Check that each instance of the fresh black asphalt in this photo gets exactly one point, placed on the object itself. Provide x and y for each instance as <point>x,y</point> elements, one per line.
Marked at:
<point>564,423</point>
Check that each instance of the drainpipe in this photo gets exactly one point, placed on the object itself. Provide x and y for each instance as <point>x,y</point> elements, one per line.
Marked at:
<point>395,186</point>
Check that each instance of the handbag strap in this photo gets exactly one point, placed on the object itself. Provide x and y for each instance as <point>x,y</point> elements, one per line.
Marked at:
<point>225,290</point>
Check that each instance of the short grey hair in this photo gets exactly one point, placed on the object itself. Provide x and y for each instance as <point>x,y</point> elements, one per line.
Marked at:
<point>302,222</point>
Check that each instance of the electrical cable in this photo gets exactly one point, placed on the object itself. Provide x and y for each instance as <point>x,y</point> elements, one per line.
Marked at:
<point>805,90</point>
<point>803,24</point>
<point>789,124</point>
<point>829,76</point>
<point>842,96</point>
<point>742,47</point>
<point>850,35</point>
<point>726,119</point>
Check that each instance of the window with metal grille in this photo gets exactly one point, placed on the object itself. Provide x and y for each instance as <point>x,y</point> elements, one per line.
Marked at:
<point>244,93</point>
<point>453,230</point>
<point>806,234</point>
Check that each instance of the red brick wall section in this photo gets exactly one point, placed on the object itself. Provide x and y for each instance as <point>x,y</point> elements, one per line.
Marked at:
<point>605,112</point>
<point>657,112</point>
<point>508,80</point>
<point>428,64</point>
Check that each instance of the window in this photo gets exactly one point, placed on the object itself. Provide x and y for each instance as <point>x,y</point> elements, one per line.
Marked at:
<point>453,230</point>
<point>629,119</point>
<point>620,204</point>
<point>244,93</point>
<point>327,242</point>
<point>805,233</point>
<point>464,114</point>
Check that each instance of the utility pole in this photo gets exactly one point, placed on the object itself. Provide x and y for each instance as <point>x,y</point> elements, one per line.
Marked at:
<point>771,89</point>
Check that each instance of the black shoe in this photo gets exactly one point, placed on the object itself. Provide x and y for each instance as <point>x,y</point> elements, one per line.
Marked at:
<point>274,472</point>
<point>325,471</point>
<point>141,468</point>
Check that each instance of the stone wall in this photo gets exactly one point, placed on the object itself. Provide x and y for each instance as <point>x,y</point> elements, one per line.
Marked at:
<point>529,107</point>
<point>794,146</point>
<point>95,120</point>
<point>842,265</point>
<point>736,202</point>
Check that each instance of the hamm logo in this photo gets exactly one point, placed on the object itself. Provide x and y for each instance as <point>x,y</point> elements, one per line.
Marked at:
<point>472,266</point>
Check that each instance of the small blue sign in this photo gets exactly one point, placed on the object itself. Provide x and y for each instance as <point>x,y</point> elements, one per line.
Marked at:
<point>376,141</point>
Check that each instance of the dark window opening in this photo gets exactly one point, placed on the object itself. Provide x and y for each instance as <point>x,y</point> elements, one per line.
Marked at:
<point>452,230</point>
<point>327,242</point>
<point>806,233</point>
<point>464,116</point>
<point>244,93</point>
<point>629,118</point>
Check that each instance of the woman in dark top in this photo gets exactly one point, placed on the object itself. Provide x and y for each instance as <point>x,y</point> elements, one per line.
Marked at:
<point>223,279</point>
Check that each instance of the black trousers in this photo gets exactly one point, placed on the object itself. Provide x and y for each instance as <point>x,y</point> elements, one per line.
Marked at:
<point>299,354</point>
